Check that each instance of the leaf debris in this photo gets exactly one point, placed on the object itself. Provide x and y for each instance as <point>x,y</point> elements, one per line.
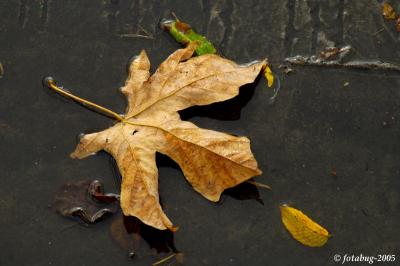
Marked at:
<point>388,11</point>
<point>322,61</point>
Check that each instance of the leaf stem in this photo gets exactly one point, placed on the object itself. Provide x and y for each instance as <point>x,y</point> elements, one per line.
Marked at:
<point>258,184</point>
<point>51,84</point>
<point>164,259</point>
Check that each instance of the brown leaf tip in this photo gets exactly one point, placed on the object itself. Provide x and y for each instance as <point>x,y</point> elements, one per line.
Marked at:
<point>173,228</point>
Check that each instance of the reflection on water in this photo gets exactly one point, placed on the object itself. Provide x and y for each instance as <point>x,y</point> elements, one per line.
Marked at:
<point>129,232</point>
<point>244,191</point>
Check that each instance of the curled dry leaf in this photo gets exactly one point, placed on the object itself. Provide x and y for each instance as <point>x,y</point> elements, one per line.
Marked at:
<point>211,161</point>
<point>302,228</point>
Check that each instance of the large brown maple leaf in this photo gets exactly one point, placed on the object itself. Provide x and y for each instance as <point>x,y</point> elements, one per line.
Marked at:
<point>211,161</point>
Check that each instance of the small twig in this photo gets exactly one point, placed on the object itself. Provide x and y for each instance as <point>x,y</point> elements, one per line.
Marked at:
<point>379,31</point>
<point>164,259</point>
<point>174,15</point>
<point>134,35</point>
<point>145,31</point>
<point>146,34</point>
<point>1,70</point>
<point>257,184</point>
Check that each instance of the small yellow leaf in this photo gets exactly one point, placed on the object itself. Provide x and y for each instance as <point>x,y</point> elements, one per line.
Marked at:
<point>302,228</point>
<point>268,76</point>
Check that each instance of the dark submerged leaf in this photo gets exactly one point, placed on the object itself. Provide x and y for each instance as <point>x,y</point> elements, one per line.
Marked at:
<point>85,199</point>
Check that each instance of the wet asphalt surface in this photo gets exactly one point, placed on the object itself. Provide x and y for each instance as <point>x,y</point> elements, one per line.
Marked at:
<point>322,119</point>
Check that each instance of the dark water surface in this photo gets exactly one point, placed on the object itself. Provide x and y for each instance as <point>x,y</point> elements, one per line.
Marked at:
<point>316,124</point>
